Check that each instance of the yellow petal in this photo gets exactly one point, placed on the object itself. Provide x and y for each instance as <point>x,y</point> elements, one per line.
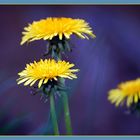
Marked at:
<point>28,82</point>
<point>33,82</point>
<point>136,98</point>
<point>22,81</point>
<point>129,101</point>
<point>60,36</point>
<point>40,83</point>
<point>45,81</point>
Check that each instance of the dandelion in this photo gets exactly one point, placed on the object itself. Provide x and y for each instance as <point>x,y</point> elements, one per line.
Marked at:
<point>49,28</point>
<point>128,92</point>
<point>46,70</point>
<point>50,74</point>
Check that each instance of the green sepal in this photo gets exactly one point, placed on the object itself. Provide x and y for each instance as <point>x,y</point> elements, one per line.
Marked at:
<point>46,92</point>
<point>67,46</point>
<point>61,47</point>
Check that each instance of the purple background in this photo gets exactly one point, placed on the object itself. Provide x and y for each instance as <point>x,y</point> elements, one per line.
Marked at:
<point>113,57</point>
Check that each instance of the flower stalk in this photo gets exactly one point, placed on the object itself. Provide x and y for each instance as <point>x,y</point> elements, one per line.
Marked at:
<point>53,115</point>
<point>67,114</point>
<point>62,45</point>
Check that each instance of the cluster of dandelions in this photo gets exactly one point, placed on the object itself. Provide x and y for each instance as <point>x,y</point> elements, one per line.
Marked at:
<point>48,29</point>
<point>50,74</point>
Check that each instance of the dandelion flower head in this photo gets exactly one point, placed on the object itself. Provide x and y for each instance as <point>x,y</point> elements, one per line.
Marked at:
<point>44,70</point>
<point>128,92</point>
<point>50,27</point>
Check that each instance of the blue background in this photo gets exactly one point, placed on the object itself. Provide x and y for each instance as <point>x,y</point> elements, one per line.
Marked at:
<point>111,58</point>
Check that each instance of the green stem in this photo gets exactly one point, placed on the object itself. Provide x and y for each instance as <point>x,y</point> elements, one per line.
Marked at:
<point>66,109</point>
<point>53,115</point>
<point>67,114</point>
<point>66,106</point>
<point>65,102</point>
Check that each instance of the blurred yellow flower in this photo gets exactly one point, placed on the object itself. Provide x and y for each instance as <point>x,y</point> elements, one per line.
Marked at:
<point>50,27</point>
<point>128,91</point>
<point>45,70</point>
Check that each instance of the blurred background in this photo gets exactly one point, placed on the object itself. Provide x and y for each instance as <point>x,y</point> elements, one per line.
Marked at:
<point>113,57</point>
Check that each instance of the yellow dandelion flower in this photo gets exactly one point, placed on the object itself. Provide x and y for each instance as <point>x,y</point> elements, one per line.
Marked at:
<point>128,91</point>
<point>45,70</point>
<point>50,27</point>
